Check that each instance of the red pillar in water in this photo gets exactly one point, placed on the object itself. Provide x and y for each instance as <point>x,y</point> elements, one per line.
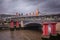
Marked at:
<point>45,29</point>
<point>11,24</point>
<point>17,24</point>
<point>53,28</point>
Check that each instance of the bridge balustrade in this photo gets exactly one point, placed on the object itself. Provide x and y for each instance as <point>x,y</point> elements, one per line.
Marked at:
<point>41,18</point>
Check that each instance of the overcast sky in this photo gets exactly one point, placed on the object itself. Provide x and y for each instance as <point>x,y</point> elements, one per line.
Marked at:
<point>27,6</point>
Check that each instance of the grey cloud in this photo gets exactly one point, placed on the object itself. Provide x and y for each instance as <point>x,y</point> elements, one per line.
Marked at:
<point>26,6</point>
<point>51,6</point>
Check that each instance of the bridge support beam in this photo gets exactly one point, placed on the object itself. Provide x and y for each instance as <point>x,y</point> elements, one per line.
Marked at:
<point>12,25</point>
<point>22,24</point>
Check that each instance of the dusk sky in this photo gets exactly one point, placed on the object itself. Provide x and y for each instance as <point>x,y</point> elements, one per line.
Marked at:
<point>27,6</point>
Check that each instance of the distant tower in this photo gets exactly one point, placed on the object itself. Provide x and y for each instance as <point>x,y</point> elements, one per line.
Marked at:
<point>17,14</point>
<point>37,12</point>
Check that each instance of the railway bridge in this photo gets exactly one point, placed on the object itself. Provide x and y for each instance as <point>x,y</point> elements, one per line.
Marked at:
<point>46,23</point>
<point>25,20</point>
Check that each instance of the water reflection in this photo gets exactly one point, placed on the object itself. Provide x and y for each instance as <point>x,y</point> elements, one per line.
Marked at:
<point>12,35</point>
<point>20,35</point>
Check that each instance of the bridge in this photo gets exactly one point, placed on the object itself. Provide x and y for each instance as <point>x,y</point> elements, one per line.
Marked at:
<point>39,22</point>
<point>45,23</point>
<point>24,20</point>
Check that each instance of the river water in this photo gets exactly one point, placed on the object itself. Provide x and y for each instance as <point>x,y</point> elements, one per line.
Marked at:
<point>20,35</point>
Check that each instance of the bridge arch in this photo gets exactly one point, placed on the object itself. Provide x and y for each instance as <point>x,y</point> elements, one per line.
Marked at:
<point>33,26</point>
<point>32,22</point>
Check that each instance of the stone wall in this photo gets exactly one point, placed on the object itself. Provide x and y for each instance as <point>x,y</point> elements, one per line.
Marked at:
<point>58,27</point>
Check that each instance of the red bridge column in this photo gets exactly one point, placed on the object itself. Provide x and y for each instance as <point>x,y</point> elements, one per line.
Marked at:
<point>45,29</point>
<point>17,25</point>
<point>11,25</point>
<point>45,35</point>
<point>53,28</point>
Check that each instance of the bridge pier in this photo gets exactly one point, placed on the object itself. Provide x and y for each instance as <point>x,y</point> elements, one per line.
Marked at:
<point>12,25</point>
<point>17,25</point>
<point>58,30</point>
<point>53,35</point>
<point>45,35</point>
<point>53,29</point>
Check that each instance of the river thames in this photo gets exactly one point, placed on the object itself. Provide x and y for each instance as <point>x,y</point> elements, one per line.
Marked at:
<point>20,35</point>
